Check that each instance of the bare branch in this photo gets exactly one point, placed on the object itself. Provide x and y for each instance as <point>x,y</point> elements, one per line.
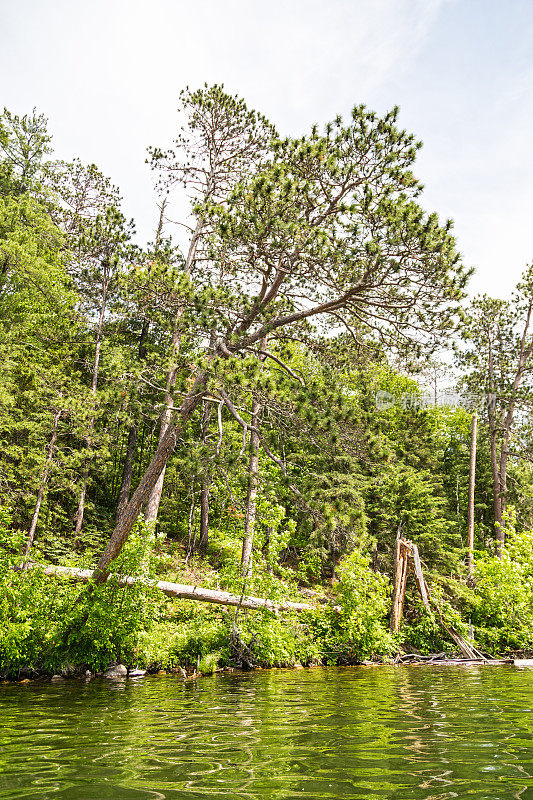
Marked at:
<point>280,362</point>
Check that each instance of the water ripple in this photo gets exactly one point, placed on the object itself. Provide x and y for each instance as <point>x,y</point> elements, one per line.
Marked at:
<point>395,733</point>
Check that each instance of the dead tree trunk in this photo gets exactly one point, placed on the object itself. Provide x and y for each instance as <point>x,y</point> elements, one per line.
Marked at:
<point>42,486</point>
<point>405,551</point>
<point>401,564</point>
<point>186,591</point>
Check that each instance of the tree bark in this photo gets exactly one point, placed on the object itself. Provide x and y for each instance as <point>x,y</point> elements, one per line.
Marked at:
<point>191,530</point>
<point>253,485</point>
<point>251,496</point>
<point>401,563</point>
<point>266,550</point>
<point>493,436</point>
<point>186,591</point>
<point>507,421</point>
<point>471,491</point>
<point>127,471</point>
<point>42,487</point>
<point>149,479</point>
<point>203,541</point>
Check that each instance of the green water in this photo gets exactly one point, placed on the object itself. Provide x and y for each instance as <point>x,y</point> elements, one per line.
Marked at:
<point>383,732</point>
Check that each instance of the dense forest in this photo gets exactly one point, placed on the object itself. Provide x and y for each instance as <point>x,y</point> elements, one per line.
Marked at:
<point>251,403</point>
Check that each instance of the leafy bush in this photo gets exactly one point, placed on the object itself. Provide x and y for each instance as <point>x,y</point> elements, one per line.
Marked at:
<point>109,624</point>
<point>113,617</point>
<point>503,613</point>
<point>360,629</point>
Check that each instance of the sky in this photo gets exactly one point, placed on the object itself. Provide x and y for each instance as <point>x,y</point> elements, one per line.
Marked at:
<point>107,74</point>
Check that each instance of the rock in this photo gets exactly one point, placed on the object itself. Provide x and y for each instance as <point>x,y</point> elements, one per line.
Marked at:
<point>297,665</point>
<point>119,671</point>
<point>136,673</point>
<point>161,672</point>
<point>88,674</point>
<point>58,679</point>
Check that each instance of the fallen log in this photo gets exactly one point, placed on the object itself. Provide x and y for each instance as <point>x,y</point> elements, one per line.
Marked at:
<point>185,591</point>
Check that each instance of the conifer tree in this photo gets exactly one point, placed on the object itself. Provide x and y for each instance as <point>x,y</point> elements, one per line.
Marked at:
<point>221,142</point>
<point>98,233</point>
<point>327,230</point>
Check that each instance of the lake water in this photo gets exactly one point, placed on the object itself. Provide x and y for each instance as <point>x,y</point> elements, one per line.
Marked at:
<point>362,732</point>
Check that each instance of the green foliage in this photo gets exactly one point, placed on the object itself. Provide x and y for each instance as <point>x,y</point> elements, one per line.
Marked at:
<point>313,280</point>
<point>503,610</point>
<point>114,616</point>
<point>359,630</point>
<point>36,609</point>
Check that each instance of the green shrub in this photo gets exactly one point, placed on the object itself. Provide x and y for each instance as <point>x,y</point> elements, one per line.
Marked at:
<point>359,630</point>
<point>503,613</point>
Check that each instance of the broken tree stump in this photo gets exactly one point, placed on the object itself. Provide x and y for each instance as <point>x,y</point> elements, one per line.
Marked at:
<point>406,552</point>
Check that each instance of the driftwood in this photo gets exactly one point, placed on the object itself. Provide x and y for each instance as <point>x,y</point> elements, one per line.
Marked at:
<point>442,659</point>
<point>185,591</point>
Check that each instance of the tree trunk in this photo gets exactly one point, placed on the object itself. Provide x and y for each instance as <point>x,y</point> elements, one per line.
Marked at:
<point>401,564</point>
<point>85,477</point>
<point>205,487</point>
<point>131,449</point>
<point>493,434</point>
<point>203,541</point>
<point>471,491</point>
<point>152,506</point>
<point>127,471</point>
<point>186,591</point>
<point>266,550</point>
<point>149,479</point>
<point>251,496</point>
<point>253,484</point>
<point>42,487</point>
<point>191,529</point>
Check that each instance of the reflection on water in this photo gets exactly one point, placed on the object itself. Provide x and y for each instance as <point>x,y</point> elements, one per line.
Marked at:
<point>426,733</point>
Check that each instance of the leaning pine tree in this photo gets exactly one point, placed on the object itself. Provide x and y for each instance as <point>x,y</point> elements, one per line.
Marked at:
<point>328,228</point>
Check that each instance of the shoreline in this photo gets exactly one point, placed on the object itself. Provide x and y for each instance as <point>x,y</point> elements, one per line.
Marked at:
<point>134,674</point>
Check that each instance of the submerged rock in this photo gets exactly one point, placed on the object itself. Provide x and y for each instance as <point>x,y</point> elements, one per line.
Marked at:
<point>118,671</point>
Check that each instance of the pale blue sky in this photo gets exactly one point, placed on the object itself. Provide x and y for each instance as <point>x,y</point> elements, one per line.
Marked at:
<point>107,74</point>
